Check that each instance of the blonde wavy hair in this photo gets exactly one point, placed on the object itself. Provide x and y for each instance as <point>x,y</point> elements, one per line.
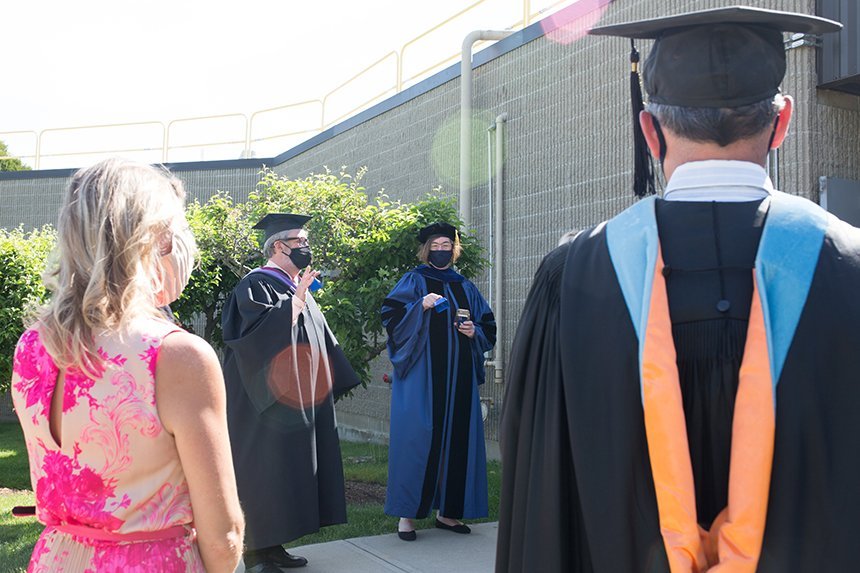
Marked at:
<point>117,218</point>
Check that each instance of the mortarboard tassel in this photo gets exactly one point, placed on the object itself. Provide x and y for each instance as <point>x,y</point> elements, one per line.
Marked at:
<point>643,167</point>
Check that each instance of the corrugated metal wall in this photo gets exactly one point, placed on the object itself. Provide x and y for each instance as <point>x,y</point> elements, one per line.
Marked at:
<point>839,62</point>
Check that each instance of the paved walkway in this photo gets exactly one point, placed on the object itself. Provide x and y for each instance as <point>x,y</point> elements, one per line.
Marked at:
<point>435,551</point>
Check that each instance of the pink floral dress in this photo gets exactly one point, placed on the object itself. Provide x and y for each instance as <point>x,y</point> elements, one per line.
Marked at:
<point>112,495</point>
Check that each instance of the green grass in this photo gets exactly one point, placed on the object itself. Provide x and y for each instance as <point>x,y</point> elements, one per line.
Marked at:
<point>365,462</point>
<point>18,535</point>
<point>14,466</point>
<point>362,462</point>
<point>369,463</point>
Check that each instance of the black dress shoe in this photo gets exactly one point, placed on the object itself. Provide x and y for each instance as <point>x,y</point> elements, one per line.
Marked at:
<point>459,528</point>
<point>287,561</point>
<point>407,535</point>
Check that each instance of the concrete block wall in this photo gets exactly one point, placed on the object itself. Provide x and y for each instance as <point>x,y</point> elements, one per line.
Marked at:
<point>31,202</point>
<point>568,155</point>
<point>202,184</point>
<point>568,148</point>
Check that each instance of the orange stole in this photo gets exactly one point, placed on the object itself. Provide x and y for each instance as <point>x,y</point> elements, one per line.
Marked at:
<point>734,543</point>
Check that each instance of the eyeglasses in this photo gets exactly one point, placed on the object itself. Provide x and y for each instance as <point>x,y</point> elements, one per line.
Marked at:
<point>302,241</point>
<point>442,246</point>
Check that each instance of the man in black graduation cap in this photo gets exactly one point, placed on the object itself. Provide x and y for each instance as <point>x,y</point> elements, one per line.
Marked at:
<point>683,386</point>
<point>283,369</point>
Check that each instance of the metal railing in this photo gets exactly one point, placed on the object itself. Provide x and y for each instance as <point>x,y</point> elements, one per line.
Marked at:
<point>113,149</point>
<point>247,136</point>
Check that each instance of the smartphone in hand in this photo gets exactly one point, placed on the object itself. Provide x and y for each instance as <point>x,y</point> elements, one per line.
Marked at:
<point>463,315</point>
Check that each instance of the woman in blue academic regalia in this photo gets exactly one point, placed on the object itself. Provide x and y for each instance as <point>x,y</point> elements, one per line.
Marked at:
<point>439,327</point>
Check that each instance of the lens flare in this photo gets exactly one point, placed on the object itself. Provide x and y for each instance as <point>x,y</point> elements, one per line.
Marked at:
<point>297,380</point>
<point>445,150</point>
<point>573,22</point>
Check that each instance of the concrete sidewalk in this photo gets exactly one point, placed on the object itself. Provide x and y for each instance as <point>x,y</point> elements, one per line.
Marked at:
<point>434,551</point>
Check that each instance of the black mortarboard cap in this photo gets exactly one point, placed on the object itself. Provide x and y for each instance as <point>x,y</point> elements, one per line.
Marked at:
<point>723,57</point>
<point>439,228</point>
<point>277,222</point>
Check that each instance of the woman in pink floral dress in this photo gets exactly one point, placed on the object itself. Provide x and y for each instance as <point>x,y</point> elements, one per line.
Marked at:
<point>124,413</point>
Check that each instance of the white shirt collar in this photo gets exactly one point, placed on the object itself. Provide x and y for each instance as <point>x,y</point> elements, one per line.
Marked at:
<point>718,180</point>
<point>271,263</point>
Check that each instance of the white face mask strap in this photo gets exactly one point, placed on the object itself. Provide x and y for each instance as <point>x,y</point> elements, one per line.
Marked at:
<point>176,270</point>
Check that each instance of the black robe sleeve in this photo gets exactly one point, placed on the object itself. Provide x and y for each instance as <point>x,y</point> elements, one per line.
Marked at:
<point>540,524</point>
<point>257,327</point>
<point>260,336</point>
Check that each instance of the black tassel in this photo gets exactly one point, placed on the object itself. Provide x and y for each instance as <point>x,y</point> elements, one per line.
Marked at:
<point>643,167</point>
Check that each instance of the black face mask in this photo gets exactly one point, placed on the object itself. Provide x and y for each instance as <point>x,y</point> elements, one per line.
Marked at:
<point>301,257</point>
<point>440,259</point>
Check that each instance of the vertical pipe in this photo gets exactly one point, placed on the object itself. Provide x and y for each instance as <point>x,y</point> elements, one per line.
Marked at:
<point>466,118</point>
<point>499,234</point>
<point>466,129</point>
<point>773,167</point>
<point>490,211</point>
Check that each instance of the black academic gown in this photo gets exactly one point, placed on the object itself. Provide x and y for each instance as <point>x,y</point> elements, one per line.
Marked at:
<point>578,493</point>
<point>281,384</point>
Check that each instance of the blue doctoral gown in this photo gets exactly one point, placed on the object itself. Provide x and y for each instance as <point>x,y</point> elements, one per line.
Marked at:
<point>436,455</point>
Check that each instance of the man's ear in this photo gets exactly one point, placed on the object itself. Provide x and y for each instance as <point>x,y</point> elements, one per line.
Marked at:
<point>646,122</point>
<point>783,122</point>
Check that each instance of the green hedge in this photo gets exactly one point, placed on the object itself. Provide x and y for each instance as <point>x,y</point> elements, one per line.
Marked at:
<point>363,243</point>
<point>22,260</point>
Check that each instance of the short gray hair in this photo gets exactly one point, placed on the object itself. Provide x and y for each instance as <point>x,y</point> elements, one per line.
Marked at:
<point>569,236</point>
<point>724,125</point>
<point>269,245</point>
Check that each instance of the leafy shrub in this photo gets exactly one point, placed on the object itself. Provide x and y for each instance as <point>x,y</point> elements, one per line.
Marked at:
<point>363,246</point>
<point>228,250</point>
<point>22,259</point>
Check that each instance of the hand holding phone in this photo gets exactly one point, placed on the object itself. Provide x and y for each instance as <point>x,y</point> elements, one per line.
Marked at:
<point>464,323</point>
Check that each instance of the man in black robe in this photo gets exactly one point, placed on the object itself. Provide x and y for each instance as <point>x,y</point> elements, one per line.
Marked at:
<point>683,385</point>
<point>283,369</point>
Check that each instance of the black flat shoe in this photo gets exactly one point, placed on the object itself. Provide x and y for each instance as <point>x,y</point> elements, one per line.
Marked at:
<point>407,535</point>
<point>459,528</point>
<point>287,561</point>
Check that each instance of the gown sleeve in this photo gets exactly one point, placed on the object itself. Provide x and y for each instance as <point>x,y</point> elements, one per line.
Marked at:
<point>485,329</point>
<point>406,322</point>
<point>258,325</point>
<point>539,506</point>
